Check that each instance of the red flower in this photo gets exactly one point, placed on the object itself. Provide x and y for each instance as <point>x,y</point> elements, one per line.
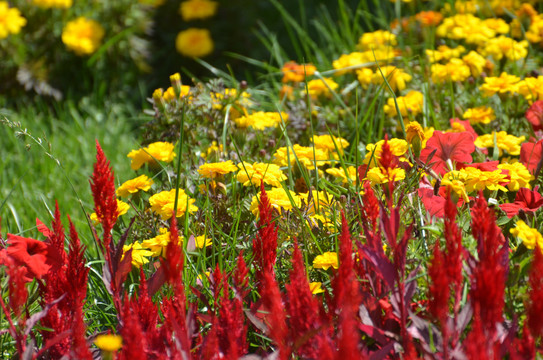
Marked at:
<point>535,115</point>
<point>465,124</point>
<point>526,200</point>
<point>530,155</point>
<point>448,146</point>
<point>434,204</point>
<point>30,254</point>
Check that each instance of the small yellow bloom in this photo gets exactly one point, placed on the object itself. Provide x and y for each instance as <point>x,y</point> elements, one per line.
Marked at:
<point>109,342</point>
<point>455,70</point>
<point>475,62</point>
<point>133,186</point>
<point>519,176</point>
<point>379,175</point>
<point>47,4</point>
<point>139,254</point>
<point>509,143</point>
<point>122,208</point>
<point>159,243</point>
<point>479,115</point>
<point>308,156</point>
<point>377,39</point>
<point>503,84</point>
<point>212,170</point>
<point>83,36</point>
<point>255,173</point>
<point>444,53</point>
<point>279,199</point>
<point>194,43</point>
<point>329,143</point>
<point>202,241</point>
<point>316,288</point>
<point>198,9</point>
<point>396,78</point>
<point>529,236</point>
<point>161,151</point>
<point>163,204</point>
<point>11,20</point>
<point>351,175</point>
<point>261,120</point>
<point>410,104</point>
<point>326,260</point>
<point>324,88</point>
<point>506,46</point>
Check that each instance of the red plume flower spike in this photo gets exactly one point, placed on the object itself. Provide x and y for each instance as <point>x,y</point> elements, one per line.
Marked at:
<point>265,243</point>
<point>173,264</point>
<point>535,307</point>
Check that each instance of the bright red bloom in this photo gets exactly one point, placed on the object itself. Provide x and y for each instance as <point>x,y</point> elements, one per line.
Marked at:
<point>32,255</point>
<point>535,307</point>
<point>535,115</point>
<point>434,204</point>
<point>265,243</point>
<point>531,154</point>
<point>448,146</point>
<point>525,200</point>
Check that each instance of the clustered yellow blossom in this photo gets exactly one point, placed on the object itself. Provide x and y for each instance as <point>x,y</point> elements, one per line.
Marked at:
<point>476,63</point>
<point>293,72</point>
<point>197,9</point>
<point>505,46</point>
<point>326,260</point>
<point>396,78</point>
<point>466,27</point>
<point>455,70</point>
<point>476,179</point>
<point>317,87</point>
<point>505,141</point>
<point>519,176</point>
<point>214,148</point>
<point>529,236</point>
<point>380,175</point>
<point>139,254</point>
<point>377,39</point>
<point>59,4</point>
<point>212,170</point>
<point>503,84</point>
<point>279,199</point>
<point>163,204</point>
<point>410,104</point>
<point>531,88</point>
<point>360,59</point>
<point>158,244</point>
<point>329,142</point>
<point>307,156</point>
<point>83,36</point>
<point>194,43</point>
<point>133,186</point>
<point>455,182</point>
<point>257,173</point>
<point>444,53</point>
<point>161,151</point>
<point>169,94</point>
<point>479,115</point>
<point>261,120</point>
<point>11,20</point>
<point>351,175</point>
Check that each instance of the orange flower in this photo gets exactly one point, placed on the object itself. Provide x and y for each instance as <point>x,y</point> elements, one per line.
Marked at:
<point>429,18</point>
<point>293,72</point>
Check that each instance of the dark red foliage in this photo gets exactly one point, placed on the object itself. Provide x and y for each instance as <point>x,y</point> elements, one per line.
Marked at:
<point>490,272</point>
<point>523,348</point>
<point>105,201</point>
<point>535,115</point>
<point>535,307</point>
<point>265,243</point>
<point>531,155</point>
<point>30,255</point>
<point>526,200</point>
<point>456,147</point>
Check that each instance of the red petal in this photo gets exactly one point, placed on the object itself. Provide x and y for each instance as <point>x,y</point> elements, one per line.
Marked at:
<point>448,146</point>
<point>530,154</point>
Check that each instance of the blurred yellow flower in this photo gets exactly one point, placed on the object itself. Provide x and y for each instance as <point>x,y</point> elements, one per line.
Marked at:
<point>194,43</point>
<point>307,156</point>
<point>396,78</point>
<point>133,186</point>
<point>410,104</point>
<point>161,151</point>
<point>293,72</point>
<point>255,173</point>
<point>261,120</point>
<point>326,260</point>
<point>163,204</point>
<point>352,173</point>
<point>505,83</point>
<point>377,39</point>
<point>529,236</point>
<point>316,288</point>
<point>109,342</point>
<point>198,9</point>
<point>324,87</point>
<point>444,53</point>
<point>139,254</point>
<point>506,46</point>
<point>455,70</point>
<point>60,4</point>
<point>329,142</point>
<point>202,241</point>
<point>212,170</point>
<point>83,36</point>
<point>479,115</point>
<point>505,141</point>
<point>475,62</point>
<point>11,20</point>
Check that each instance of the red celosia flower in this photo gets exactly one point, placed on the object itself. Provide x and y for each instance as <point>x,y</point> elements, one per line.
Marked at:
<point>455,253</point>
<point>531,155</point>
<point>448,146</point>
<point>388,160</point>
<point>370,207</point>
<point>265,243</point>
<point>173,263</point>
<point>231,328</point>
<point>30,254</point>
<point>275,318</point>
<point>525,200</point>
<point>439,288</point>
<point>535,307</point>
<point>535,115</point>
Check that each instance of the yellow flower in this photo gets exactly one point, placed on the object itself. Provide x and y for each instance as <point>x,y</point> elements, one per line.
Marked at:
<point>506,46</point>
<point>444,53</point>
<point>396,78</point>
<point>509,143</point>
<point>364,76</point>
<point>212,170</point>
<point>194,43</point>
<point>531,88</point>
<point>159,243</point>
<point>398,147</point>
<point>414,134</point>
<point>479,180</point>
<point>519,176</point>
<point>255,173</point>
<point>529,236</point>
<point>322,87</point>
<point>109,342</point>
<point>467,27</point>
<point>326,143</point>
<point>139,254</point>
<point>498,25</point>
<point>161,151</point>
<point>326,260</point>
<point>316,288</point>
<point>475,62</point>
<point>261,120</point>
<point>352,173</point>
<point>83,36</point>
<point>133,186</point>
<point>379,175</point>
<point>455,181</point>
<point>169,94</point>
<point>202,241</point>
<point>212,149</point>
<point>46,4</point>
<point>479,115</point>
<point>410,104</point>
<point>163,204</point>
<point>306,155</point>
<point>198,9</point>
<point>348,60</point>
<point>455,70</point>
<point>503,84</point>
<point>279,199</point>
<point>11,20</point>
<point>293,72</point>
<point>377,39</point>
